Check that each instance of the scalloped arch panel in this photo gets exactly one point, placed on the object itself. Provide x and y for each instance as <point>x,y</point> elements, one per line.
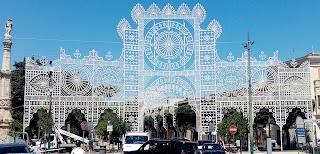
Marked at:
<point>122,27</point>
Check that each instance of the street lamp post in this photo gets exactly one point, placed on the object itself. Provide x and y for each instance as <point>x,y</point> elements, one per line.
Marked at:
<point>247,46</point>
<point>50,100</point>
<point>269,122</point>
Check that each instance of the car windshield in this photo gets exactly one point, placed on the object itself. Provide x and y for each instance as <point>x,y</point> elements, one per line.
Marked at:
<point>136,139</point>
<point>15,149</point>
<point>203,142</point>
<point>211,147</point>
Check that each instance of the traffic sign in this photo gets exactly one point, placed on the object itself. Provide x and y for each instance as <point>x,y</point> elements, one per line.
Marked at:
<point>109,128</point>
<point>84,125</point>
<point>233,129</point>
<point>212,127</point>
<point>301,135</point>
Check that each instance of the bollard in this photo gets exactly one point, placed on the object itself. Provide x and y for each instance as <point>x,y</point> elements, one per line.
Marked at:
<point>269,146</point>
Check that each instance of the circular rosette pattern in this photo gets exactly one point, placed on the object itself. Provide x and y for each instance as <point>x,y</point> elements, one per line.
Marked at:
<point>231,81</point>
<point>165,88</point>
<point>76,80</point>
<point>264,81</point>
<point>108,81</point>
<point>295,85</point>
<point>169,45</point>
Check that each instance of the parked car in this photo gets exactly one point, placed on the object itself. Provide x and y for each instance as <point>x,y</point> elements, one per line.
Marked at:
<point>201,142</point>
<point>212,148</point>
<point>167,146</point>
<point>14,148</point>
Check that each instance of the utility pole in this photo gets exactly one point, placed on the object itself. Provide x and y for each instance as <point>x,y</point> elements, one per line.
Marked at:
<point>50,101</point>
<point>247,46</point>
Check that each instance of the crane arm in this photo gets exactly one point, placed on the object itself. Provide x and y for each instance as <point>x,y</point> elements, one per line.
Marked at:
<point>76,137</point>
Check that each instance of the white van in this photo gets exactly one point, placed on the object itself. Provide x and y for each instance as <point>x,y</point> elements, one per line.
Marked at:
<point>134,140</point>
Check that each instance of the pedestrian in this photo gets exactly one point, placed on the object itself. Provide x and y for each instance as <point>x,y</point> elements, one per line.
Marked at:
<point>78,149</point>
<point>34,149</point>
<point>90,146</point>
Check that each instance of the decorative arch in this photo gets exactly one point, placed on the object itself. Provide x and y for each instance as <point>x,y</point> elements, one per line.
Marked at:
<point>169,53</point>
<point>164,88</point>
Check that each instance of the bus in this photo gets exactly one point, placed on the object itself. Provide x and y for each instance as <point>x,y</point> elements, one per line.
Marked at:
<point>134,140</point>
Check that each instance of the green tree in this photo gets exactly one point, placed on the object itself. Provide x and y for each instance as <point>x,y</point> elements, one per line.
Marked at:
<point>74,119</point>
<point>119,125</point>
<point>33,128</point>
<point>39,122</point>
<point>222,128</point>
<point>44,122</point>
<point>17,90</point>
<point>148,123</point>
<point>233,118</point>
<point>291,119</point>
<point>160,127</point>
<point>186,118</point>
<point>169,119</point>
<point>15,128</point>
<point>159,120</point>
<point>263,116</point>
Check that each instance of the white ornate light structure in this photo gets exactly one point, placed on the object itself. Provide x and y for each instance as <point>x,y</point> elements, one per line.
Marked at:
<point>168,55</point>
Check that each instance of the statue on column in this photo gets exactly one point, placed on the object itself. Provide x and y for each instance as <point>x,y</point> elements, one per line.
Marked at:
<point>8,29</point>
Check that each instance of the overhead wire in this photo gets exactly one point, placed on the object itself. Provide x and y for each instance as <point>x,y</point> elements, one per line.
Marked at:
<point>95,41</point>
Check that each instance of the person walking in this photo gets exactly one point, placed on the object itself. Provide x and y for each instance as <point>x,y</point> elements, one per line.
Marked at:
<point>90,146</point>
<point>34,149</point>
<point>78,149</point>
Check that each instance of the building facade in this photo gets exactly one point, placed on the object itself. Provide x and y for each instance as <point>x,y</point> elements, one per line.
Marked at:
<point>314,66</point>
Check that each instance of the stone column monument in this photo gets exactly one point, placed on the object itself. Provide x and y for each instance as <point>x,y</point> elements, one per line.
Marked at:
<point>5,84</point>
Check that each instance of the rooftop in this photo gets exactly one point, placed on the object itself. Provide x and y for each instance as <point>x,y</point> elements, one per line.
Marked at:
<point>313,57</point>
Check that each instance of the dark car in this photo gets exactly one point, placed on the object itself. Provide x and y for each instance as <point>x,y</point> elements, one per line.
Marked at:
<point>167,146</point>
<point>212,148</point>
<point>14,148</point>
<point>201,142</point>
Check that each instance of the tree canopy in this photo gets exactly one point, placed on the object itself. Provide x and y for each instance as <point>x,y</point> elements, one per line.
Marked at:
<point>149,123</point>
<point>119,125</point>
<point>291,119</point>
<point>186,117</point>
<point>233,118</point>
<point>17,97</point>
<point>169,119</point>
<point>40,119</point>
<point>15,128</point>
<point>44,122</point>
<point>74,119</point>
<point>263,116</point>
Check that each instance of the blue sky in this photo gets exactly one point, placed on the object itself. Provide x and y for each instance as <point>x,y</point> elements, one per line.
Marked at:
<point>273,25</point>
